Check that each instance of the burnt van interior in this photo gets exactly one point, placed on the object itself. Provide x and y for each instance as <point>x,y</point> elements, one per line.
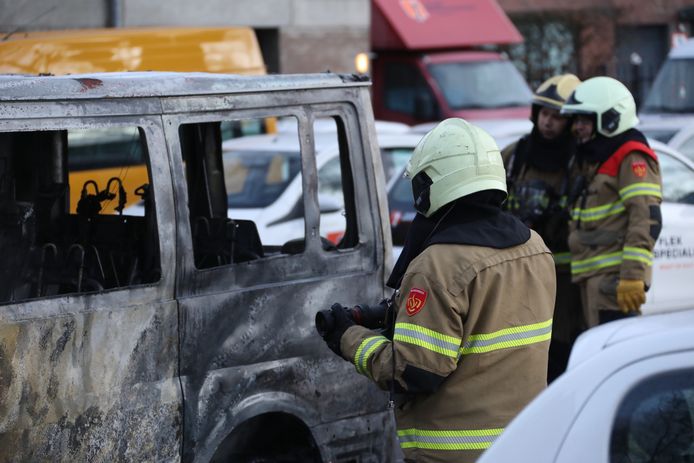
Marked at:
<point>47,249</point>
<point>246,197</point>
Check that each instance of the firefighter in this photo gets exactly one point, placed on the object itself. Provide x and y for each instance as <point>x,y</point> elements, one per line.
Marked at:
<point>538,175</point>
<point>616,219</point>
<point>473,309</point>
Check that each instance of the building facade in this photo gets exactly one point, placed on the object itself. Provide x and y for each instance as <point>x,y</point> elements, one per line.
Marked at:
<point>626,39</point>
<point>295,35</point>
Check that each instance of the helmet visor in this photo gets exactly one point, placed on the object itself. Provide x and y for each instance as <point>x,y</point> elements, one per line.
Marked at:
<point>421,184</point>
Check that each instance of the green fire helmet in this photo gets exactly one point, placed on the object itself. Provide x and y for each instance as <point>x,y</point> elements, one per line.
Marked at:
<point>553,93</point>
<point>453,160</point>
<point>608,100</point>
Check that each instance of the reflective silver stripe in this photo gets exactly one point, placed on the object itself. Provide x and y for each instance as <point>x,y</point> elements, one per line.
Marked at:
<point>596,262</point>
<point>428,339</point>
<point>638,254</point>
<point>561,258</point>
<point>509,337</point>
<point>367,347</point>
<point>471,439</point>
<point>598,212</point>
<point>640,189</point>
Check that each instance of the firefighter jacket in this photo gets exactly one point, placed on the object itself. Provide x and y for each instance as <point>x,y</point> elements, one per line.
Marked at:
<point>617,219</point>
<point>469,348</point>
<point>538,182</point>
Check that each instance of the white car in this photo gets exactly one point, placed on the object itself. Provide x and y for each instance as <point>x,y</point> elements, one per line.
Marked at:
<point>504,131</point>
<point>627,396</point>
<point>673,265</point>
<point>676,131</point>
<point>276,206</point>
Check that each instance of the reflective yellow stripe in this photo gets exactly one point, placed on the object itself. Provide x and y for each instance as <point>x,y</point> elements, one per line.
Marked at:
<point>509,337</point>
<point>640,189</point>
<point>638,254</point>
<point>612,259</point>
<point>561,257</point>
<point>599,212</point>
<point>458,439</point>
<point>365,350</point>
<point>596,262</point>
<point>426,338</point>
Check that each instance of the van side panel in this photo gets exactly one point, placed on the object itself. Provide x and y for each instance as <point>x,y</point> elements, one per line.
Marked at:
<point>92,375</point>
<point>249,347</point>
<point>99,385</point>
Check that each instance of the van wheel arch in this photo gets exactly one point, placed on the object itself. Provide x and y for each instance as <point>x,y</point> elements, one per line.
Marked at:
<point>269,437</point>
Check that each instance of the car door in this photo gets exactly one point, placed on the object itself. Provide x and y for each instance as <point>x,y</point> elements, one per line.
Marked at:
<point>643,412</point>
<point>673,263</point>
<point>248,344</point>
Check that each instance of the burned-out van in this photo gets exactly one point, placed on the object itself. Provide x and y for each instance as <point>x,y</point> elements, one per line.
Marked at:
<point>176,334</point>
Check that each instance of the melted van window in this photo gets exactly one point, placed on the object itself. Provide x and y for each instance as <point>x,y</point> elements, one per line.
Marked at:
<point>51,248</point>
<point>246,194</point>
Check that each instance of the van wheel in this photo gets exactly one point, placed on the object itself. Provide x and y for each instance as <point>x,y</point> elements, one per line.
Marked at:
<point>269,438</point>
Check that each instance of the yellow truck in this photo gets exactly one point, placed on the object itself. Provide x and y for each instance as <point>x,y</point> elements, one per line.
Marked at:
<point>229,50</point>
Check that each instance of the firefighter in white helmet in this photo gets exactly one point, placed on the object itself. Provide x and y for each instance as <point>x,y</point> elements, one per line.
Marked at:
<point>473,310</point>
<point>616,219</point>
<point>538,174</point>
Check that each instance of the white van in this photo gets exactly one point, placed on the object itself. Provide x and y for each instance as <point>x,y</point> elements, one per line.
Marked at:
<point>672,92</point>
<point>180,335</point>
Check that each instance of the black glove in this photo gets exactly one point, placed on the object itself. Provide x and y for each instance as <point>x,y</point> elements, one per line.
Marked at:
<point>343,320</point>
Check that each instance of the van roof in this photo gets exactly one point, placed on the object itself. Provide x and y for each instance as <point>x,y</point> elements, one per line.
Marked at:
<point>159,84</point>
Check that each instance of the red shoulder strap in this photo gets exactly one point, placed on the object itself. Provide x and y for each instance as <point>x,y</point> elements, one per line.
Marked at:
<point>611,166</point>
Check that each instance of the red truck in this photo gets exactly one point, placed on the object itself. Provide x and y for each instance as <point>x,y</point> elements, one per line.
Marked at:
<point>434,59</point>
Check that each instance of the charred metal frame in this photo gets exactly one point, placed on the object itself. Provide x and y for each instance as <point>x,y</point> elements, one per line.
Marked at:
<point>192,367</point>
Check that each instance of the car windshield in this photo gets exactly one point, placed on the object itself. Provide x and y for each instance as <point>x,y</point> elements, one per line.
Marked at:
<point>400,195</point>
<point>673,89</point>
<point>394,160</point>
<point>662,135</point>
<point>678,180</point>
<point>257,178</point>
<point>484,85</point>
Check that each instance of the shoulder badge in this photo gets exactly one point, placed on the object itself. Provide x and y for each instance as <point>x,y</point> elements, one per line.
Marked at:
<point>639,168</point>
<point>415,301</point>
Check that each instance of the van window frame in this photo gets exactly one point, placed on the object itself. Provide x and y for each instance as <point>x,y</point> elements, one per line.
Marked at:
<point>155,292</point>
<point>314,262</point>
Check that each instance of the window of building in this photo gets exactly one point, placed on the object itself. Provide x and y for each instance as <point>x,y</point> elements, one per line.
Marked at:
<point>549,47</point>
<point>76,212</point>
<point>654,421</point>
<point>407,92</point>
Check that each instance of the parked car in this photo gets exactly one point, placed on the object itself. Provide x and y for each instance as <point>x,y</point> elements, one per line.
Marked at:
<point>673,263</point>
<point>675,131</point>
<point>627,396</point>
<point>276,207</point>
<point>672,92</point>
<point>504,131</point>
